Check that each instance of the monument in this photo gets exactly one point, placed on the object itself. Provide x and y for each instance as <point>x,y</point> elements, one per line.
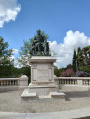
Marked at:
<point>42,71</point>
<point>39,46</point>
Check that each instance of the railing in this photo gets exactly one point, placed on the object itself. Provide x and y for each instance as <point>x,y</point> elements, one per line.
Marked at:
<point>72,80</point>
<point>7,84</point>
<point>9,81</point>
<point>86,82</point>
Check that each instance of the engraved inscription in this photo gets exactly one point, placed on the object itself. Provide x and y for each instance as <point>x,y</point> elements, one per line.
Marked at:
<point>42,75</point>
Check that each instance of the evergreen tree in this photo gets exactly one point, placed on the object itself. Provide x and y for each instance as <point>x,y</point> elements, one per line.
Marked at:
<point>79,49</point>
<point>74,63</point>
<point>78,52</point>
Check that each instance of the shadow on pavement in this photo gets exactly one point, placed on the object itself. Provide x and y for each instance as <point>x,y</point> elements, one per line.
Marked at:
<point>75,94</point>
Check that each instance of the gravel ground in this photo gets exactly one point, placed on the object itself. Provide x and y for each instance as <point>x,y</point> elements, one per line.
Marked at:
<point>12,102</point>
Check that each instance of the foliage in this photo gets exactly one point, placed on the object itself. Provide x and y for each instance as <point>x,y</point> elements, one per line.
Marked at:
<point>84,60</point>
<point>56,71</point>
<point>6,62</point>
<point>24,53</point>
<point>85,68</point>
<point>67,72</point>
<point>74,60</point>
<point>81,74</point>
<point>78,52</point>
<point>84,56</point>
<point>59,72</point>
<point>69,66</point>
<point>81,61</point>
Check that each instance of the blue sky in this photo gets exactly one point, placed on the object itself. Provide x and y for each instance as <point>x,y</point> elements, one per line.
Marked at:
<point>58,18</point>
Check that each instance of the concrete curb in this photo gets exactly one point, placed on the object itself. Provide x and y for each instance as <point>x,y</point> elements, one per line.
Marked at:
<point>72,114</point>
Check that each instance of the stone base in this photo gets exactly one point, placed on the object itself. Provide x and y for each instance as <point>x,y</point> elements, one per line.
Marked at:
<point>42,79</point>
<point>27,95</point>
<point>33,96</point>
<point>42,89</point>
<point>42,70</point>
<point>42,92</point>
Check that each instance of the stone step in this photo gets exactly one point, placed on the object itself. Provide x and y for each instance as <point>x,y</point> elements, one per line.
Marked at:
<point>26,94</point>
<point>57,95</point>
<point>45,97</point>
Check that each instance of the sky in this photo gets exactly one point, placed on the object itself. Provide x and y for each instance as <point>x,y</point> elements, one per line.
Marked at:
<point>67,22</point>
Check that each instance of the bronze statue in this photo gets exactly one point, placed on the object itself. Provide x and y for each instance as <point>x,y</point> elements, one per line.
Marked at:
<point>39,46</point>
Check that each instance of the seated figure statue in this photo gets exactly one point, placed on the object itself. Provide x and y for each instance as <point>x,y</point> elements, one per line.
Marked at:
<point>40,45</point>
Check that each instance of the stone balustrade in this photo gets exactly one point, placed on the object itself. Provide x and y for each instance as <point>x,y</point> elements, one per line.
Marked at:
<point>62,82</point>
<point>9,81</point>
<point>72,80</point>
<point>73,83</point>
<point>13,83</point>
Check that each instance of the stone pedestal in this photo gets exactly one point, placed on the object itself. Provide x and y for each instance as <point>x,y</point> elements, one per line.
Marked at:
<point>42,77</point>
<point>42,70</point>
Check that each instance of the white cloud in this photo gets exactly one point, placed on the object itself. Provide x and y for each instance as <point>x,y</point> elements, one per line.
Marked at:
<point>22,61</point>
<point>9,9</point>
<point>15,51</point>
<point>17,64</point>
<point>64,51</point>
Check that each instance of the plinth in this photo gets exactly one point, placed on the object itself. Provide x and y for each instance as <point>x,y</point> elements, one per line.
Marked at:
<point>42,78</point>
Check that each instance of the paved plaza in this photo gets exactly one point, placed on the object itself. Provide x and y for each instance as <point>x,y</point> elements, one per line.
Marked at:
<point>12,102</point>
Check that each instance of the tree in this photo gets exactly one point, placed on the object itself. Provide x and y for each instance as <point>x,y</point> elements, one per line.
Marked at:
<point>69,66</point>
<point>78,52</point>
<point>84,59</point>
<point>56,71</point>
<point>67,72</point>
<point>81,61</point>
<point>6,62</point>
<point>24,53</point>
<point>84,56</point>
<point>74,63</point>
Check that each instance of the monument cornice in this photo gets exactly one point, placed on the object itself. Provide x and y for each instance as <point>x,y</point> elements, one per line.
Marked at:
<point>43,59</point>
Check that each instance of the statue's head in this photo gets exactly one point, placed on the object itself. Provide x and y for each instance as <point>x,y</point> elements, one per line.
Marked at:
<point>38,32</point>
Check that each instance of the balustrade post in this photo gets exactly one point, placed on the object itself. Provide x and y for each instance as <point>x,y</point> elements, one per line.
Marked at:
<point>13,82</point>
<point>79,82</point>
<point>23,81</point>
<point>56,82</point>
